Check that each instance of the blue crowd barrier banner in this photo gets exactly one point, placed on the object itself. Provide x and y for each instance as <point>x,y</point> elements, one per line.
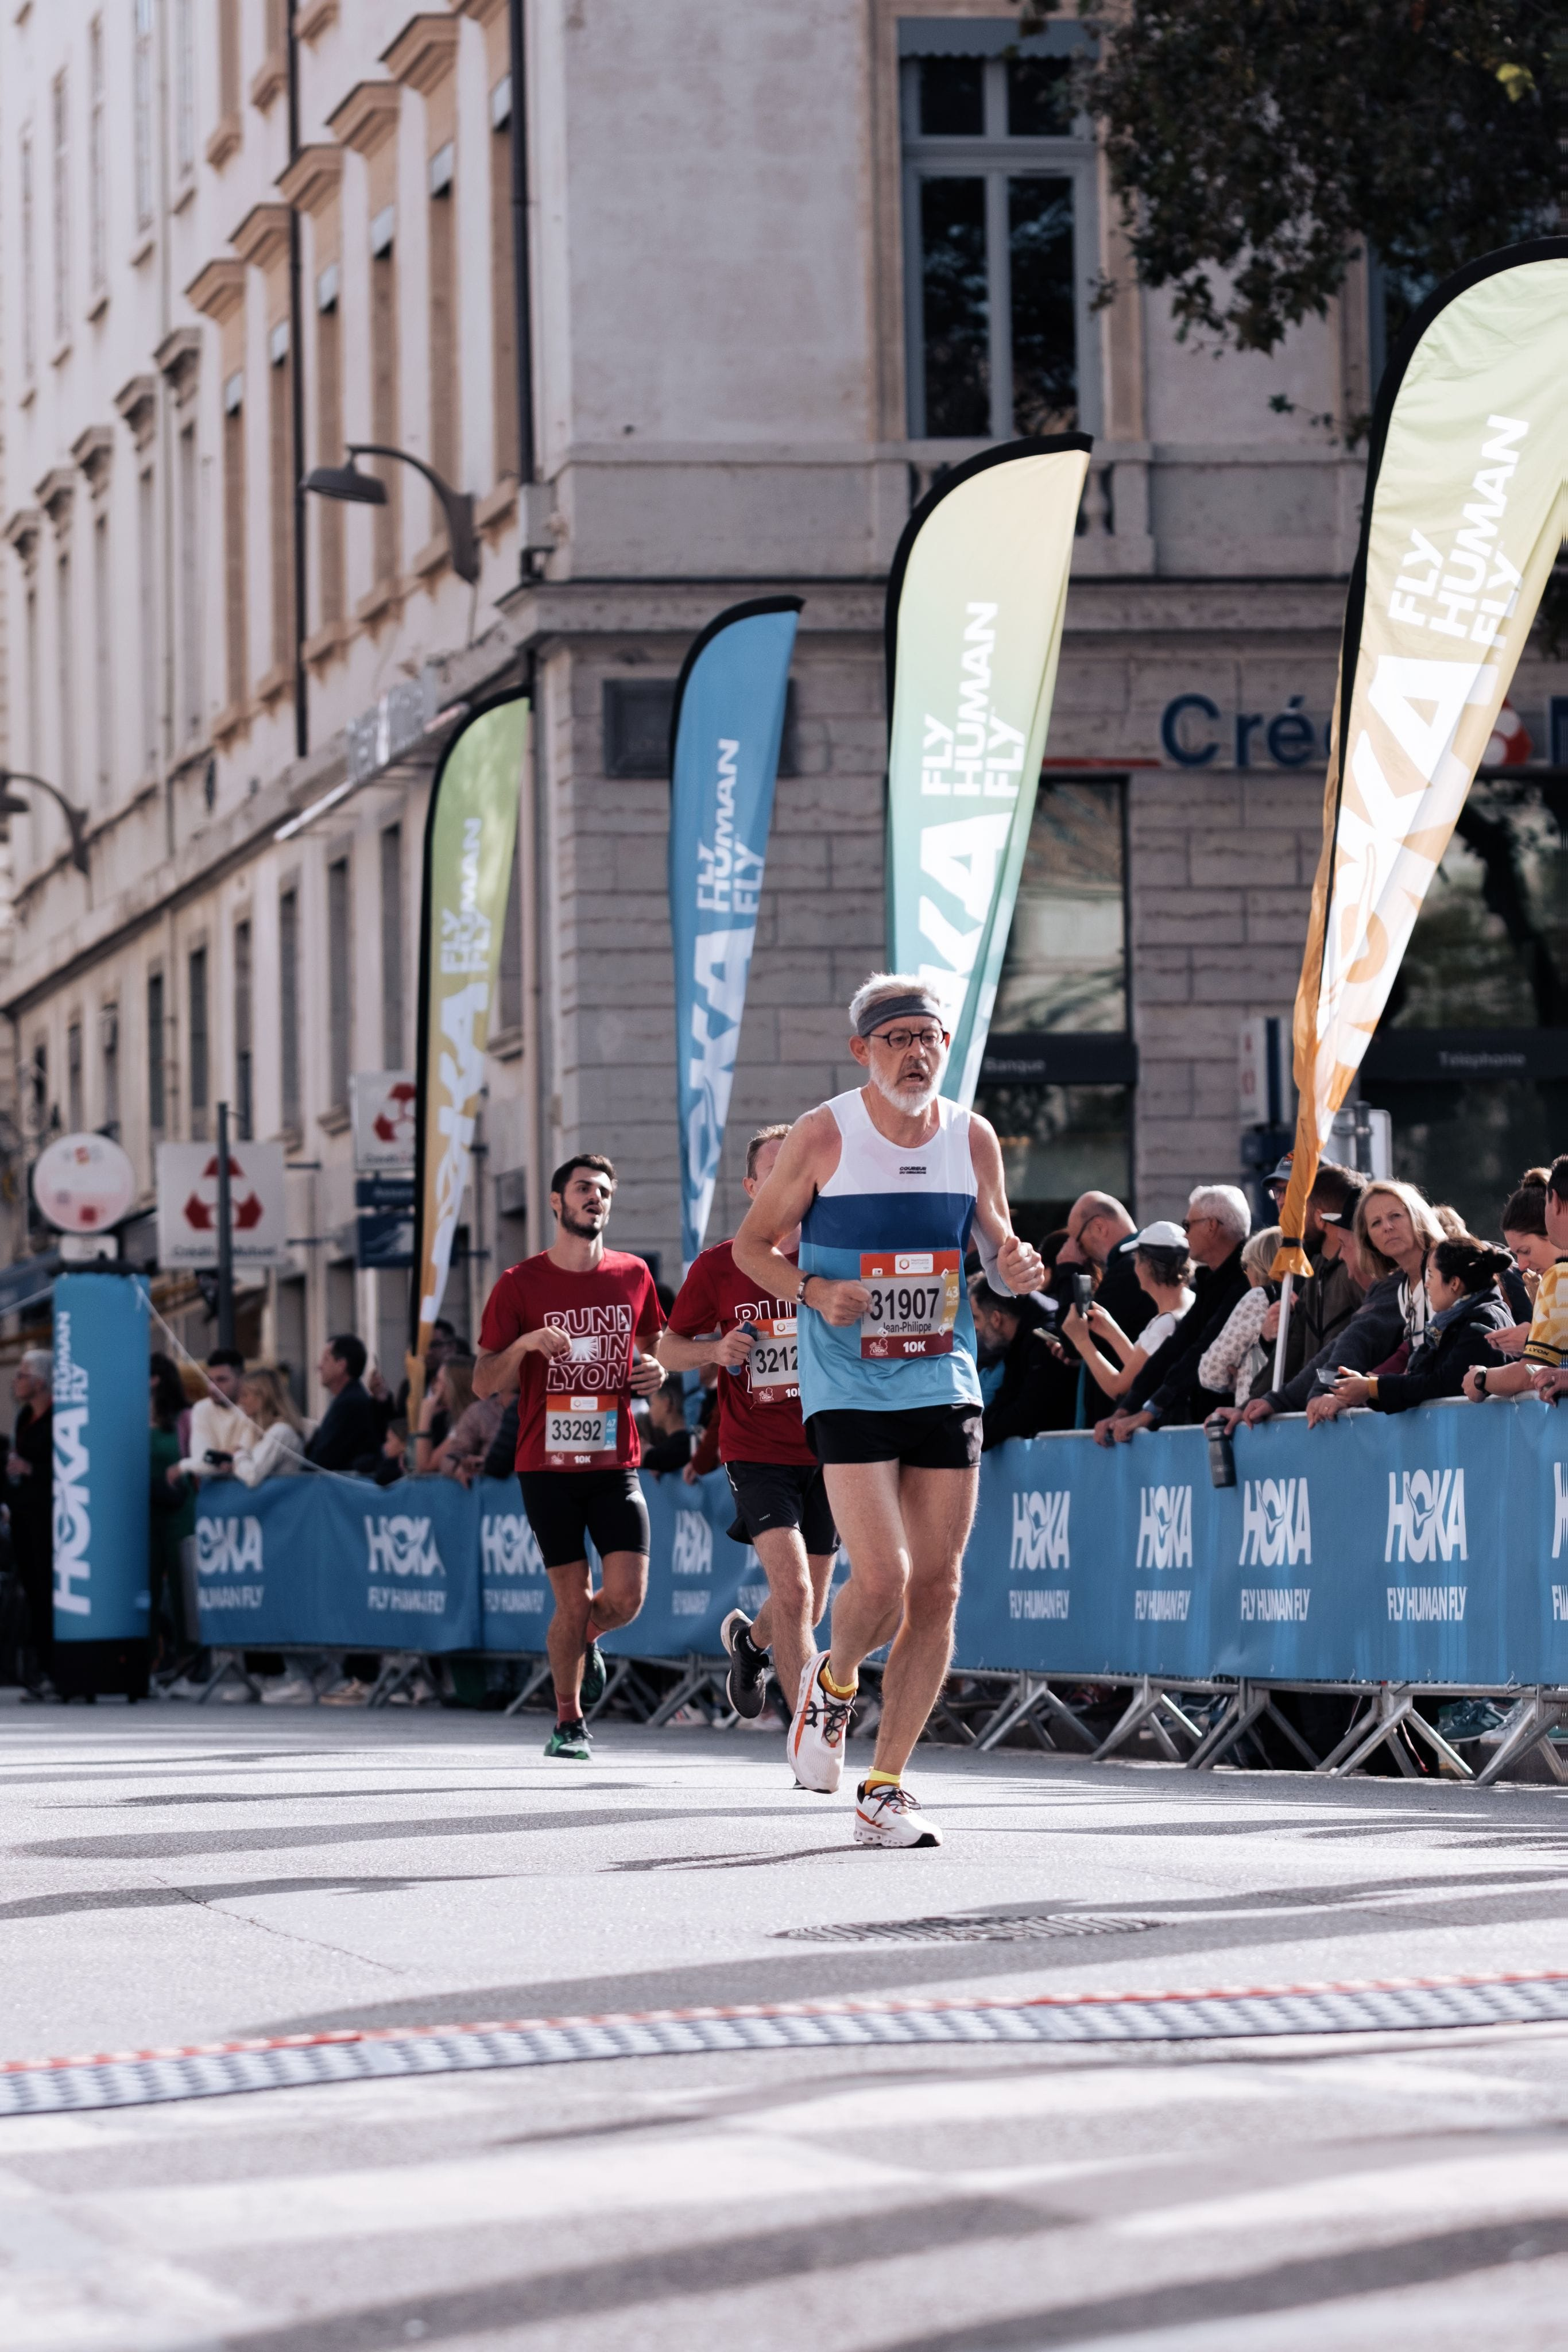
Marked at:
<point>1422,1547</point>
<point>102,1461</point>
<point>338,1562</point>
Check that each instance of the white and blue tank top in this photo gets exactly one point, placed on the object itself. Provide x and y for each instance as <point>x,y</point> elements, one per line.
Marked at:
<point>887,1201</point>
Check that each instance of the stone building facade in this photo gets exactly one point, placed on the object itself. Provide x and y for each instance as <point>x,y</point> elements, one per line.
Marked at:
<point>782,265</point>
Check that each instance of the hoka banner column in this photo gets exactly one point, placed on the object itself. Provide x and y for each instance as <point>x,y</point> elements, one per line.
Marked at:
<point>100,1459</point>
<point>470,839</point>
<point>1466,509</point>
<point>975,606</point>
<point>725,735</point>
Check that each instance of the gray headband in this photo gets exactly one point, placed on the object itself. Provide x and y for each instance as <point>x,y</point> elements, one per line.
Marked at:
<point>889,1008</point>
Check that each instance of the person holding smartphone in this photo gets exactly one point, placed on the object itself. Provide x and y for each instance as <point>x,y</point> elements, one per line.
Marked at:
<point>1164,1272</point>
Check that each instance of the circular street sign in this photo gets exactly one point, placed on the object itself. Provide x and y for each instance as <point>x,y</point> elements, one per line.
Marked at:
<point>84,1183</point>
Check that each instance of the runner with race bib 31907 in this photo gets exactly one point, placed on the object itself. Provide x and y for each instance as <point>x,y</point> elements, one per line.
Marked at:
<point>888,1186</point>
<point>569,1329</point>
<point>781,1506</point>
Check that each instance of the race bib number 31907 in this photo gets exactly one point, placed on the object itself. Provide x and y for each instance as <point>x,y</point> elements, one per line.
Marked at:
<point>914,1302</point>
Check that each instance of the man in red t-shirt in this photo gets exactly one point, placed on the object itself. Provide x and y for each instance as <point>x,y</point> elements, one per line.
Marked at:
<point>569,1329</point>
<point>780,1498</point>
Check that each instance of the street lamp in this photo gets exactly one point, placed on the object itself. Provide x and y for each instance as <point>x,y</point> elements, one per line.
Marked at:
<point>76,818</point>
<point>347,482</point>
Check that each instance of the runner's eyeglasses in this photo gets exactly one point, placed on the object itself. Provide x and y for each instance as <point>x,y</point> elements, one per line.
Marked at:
<point>899,1041</point>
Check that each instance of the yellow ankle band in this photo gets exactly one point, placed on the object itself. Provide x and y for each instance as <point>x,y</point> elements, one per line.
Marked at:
<point>884,1779</point>
<point>836,1690</point>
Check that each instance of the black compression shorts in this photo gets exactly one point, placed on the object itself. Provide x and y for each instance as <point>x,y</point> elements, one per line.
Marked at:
<point>782,1494</point>
<point>565,1507</point>
<point>926,1437</point>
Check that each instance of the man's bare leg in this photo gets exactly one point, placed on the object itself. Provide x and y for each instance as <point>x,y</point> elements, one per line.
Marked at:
<point>582,1616</point>
<point>624,1588</point>
<point>905,1531</point>
<point>796,1594</point>
<point>568,1635</point>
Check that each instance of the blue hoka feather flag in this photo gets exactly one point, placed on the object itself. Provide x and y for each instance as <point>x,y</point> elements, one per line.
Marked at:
<point>725,735</point>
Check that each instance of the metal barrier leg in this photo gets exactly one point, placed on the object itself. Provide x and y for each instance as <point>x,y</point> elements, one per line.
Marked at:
<point>699,1675</point>
<point>536,1681</point>
<point>1147,1699</point>
<point>1029,1699</point>
<point>399,1668</point>
<point>618,1670</point>
<point>1528,1725</point>
<point>1252,1705</point>
<point>1390,1707</point>
<point>227,1663</point>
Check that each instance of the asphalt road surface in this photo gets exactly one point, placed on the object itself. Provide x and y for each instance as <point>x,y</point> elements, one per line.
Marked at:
<point>174,1877</point>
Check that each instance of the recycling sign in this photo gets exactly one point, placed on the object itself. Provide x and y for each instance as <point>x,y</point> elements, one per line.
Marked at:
<point>188,1206</point>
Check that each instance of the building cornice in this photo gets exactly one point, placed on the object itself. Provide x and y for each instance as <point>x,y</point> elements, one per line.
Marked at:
<point>178,357</point>
<point>137,402</point>
<point>261,237</point>
<point>93,450</point>
<point>54,493</point>
<point>313,179</point>
<point>421,56</point>
<point>217,289</point>
<point>367,118</point>
<point>22,532</point>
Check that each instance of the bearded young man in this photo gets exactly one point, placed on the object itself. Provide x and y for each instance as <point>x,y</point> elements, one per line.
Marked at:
<point>888,1184</point>
<point>569,1331</point>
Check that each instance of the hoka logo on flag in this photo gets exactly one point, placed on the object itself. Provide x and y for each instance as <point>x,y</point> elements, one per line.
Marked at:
<point>1039,1531</point>
<point>1276,1524</point>
<point>1165,1526</point>
<point>1425,1515</point>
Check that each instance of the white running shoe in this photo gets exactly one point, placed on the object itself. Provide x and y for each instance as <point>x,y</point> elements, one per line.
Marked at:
<point>815,1746</point>
<point>890,1815</point>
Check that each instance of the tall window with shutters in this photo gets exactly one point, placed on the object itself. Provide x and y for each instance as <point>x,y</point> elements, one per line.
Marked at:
<point>198,1069</point>
<point>288,1008</point>
<point>245,1049</point>
<point>236,682</point>
<point>157,1071</point>
<point>340,984</point>
<point>503,283</point>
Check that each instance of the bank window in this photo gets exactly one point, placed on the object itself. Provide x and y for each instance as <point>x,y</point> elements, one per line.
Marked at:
<point>998,181</point>
<point>1471,1058</point>
<point>1059,1067</point>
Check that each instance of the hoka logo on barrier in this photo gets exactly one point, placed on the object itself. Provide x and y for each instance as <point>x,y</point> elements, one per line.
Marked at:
<point>1039,1531</point>
<point>229,1547</point>
<point>1425,1515</point>
<point>692,1554</point>
<point>507,1545</point>
<point>1560,1522</point>
<point>1165,1526</point>
<point>1276,1524</point>
<point>402,1546</point>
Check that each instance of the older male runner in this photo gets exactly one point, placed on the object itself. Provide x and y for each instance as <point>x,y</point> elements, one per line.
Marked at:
<point>780,1501</point>
<point>887,1184</point>
<point>566,1329</point>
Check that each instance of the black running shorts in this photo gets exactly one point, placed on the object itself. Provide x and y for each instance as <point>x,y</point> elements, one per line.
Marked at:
<point>566,1506</point>
<point>927,1437</point>
<point>782,1494</point>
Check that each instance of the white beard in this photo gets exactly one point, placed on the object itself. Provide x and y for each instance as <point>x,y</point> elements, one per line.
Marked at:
<point>901,1100</point>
